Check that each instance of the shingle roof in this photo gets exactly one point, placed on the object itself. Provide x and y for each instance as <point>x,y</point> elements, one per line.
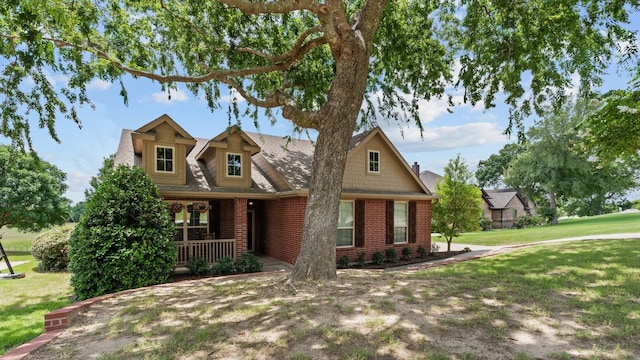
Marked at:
<point>283,164</point>
<point>500,198</point>
<point>292,158</point>
<point>430,179</point>
<point>125,154</point>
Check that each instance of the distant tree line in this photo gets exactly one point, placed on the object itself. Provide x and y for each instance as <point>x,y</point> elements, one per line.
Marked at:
<point>564,165</point>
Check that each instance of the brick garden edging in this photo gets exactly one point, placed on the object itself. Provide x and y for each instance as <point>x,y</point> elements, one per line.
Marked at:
<point>57,321</point>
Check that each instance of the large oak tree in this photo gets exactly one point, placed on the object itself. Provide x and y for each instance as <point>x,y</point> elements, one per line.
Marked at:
<point>31,192</point>
<point>315,61</point>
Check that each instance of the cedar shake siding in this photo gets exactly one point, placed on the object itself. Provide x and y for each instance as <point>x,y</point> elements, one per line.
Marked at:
<point>245,192</point>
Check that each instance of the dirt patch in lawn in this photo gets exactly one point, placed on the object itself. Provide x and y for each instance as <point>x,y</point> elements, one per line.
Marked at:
<point>364,314</point>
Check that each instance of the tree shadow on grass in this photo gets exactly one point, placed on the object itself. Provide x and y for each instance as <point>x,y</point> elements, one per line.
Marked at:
<point>22,322</point>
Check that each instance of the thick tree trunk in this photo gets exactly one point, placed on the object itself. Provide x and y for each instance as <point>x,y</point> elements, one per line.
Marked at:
<point>337,120</point>
<point>318,250</point>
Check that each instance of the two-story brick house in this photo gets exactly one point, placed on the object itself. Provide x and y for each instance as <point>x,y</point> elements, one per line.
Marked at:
<point>245,192</point>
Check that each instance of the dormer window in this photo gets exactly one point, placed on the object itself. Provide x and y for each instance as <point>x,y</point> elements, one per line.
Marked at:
<point>234,165</point>
<point>165,159</point>
<point>374,161</point>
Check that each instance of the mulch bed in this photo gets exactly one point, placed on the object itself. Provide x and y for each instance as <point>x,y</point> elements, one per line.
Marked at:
<point>385,265</point>
<point>431,257</point>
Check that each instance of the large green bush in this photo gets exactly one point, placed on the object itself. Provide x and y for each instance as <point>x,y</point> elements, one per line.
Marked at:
<point>51,248</point>
<point>124,239</point>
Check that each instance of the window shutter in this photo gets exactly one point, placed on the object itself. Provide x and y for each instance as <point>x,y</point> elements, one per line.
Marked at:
<point>359,223</point>
<point>412,222</point>
<point>389,240</point>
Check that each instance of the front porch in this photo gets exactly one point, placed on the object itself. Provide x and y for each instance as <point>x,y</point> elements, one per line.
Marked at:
<point>212,229</point>
<point>209,250</point>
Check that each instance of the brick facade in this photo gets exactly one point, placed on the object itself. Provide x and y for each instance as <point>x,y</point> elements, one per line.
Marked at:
<point>240,214</point>
<point>227,219</point>
<point>375,230</point>
<point>282,229</point>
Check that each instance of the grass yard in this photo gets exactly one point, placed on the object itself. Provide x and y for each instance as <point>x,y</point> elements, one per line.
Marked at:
<point>562,301</point>
<point>594,225</point>
<point>23,302</point>
<point>13,240</point>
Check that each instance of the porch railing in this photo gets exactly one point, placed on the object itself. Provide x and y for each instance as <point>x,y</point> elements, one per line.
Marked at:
<point>209,250</point>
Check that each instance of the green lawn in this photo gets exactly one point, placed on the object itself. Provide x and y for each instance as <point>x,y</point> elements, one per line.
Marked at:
<point>13,240</point>
<point>594,283</point>
<point>595,225</point>
<point>23,302</point>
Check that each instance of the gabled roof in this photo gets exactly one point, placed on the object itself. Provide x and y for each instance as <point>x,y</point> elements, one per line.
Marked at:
<point>199,178</point>
<point>220,142</point>
<point>430,179</point>
<point>278,164</point>
<point>147,132</point>
<point>363,138</point>
<point>162,119</point>
<point>500,198</point>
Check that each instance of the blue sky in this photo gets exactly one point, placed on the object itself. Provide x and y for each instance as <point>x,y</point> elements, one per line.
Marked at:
<point>473,132</point>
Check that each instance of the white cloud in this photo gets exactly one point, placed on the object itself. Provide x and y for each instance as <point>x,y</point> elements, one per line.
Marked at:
<point>99,85</point>
<point>77,183</point>
<point>57,80</point>
<point>177,95</point>
<point>446,137</point>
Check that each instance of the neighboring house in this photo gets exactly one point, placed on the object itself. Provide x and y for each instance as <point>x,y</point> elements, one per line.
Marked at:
<point>505,206</point>
<point>502,206</point>
<point>244,192</point>
<point>429,178</point>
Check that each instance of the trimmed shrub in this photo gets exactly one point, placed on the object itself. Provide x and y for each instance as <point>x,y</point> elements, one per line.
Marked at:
<point>485,224</point>
<point>344,262</point>
<point>51,248</point>
<point>125,238</point>
<point>422,252</point>
<point>198,266</point>
<point>391,254</point>
<point>361,260</point>
<point>407,253</point>
<point>378,257</point>
<point>248,263</point>
<point>224,266</point>
<point>524,221</point>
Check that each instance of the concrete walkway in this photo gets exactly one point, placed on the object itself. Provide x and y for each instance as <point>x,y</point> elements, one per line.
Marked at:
<point>3,265</point>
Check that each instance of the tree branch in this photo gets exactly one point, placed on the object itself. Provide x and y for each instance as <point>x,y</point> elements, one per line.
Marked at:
<point>370,17</point>
<point>273,7</point>
<point>300,43</point>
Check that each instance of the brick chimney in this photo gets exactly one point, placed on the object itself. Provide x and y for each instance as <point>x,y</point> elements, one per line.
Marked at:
<point>416,168</point>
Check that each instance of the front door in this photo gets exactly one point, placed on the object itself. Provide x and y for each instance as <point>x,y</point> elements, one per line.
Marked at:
<point>250,231</point>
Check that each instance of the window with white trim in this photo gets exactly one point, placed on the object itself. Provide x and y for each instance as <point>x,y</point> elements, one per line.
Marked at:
<point>165,159</point>
<point>374,161</point>
<point>345,224</point>
<point>400,222</point>
<point>234,164</point>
